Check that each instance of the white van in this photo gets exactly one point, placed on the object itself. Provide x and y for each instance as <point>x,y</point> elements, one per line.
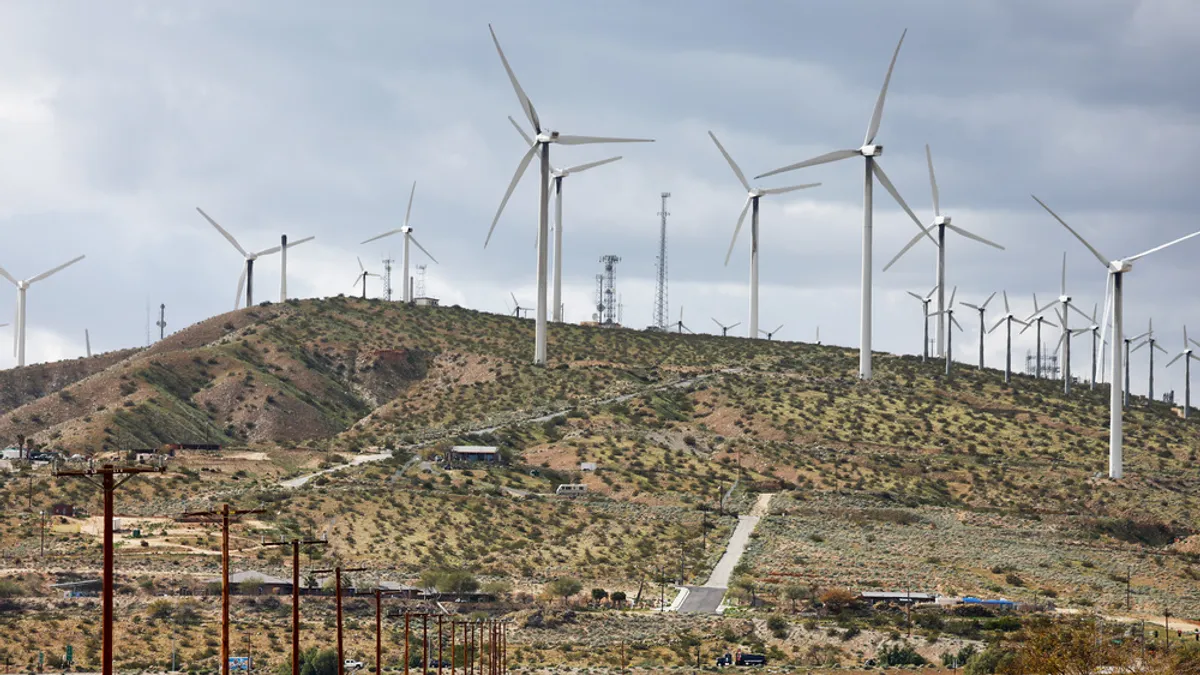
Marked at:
<point>570,489</point>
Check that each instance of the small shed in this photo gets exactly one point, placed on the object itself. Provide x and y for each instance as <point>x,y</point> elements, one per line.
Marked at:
<point>254,583</point>
<point>63,509</point>
<point>425,302</point>
<point>475,453</point>
<point>900,598</point>
<point>587,466</point>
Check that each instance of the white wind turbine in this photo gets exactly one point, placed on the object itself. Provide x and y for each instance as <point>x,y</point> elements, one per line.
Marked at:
<point>1065,332</point>
<point>1094,329</point>
<point>22,286</point>
<point>557,175</point>
<point>1038,319</point>
<point>246,280</point>
<point>1007,320</point>
<point>869,151</point>
<point>1116,271</point>
<point>1187,355</point>
<point>543,138</point>
<point>752,197</point>
<point>770,333</point>
<point>1128,341</point>
<point>982,329</point>
<point>1153,345</point>
<point>942,223</point>
<point>925,317</point>
<point>406,292</point>
<point>361,277</point>
<point>952,322</point>
<point>725,329</point>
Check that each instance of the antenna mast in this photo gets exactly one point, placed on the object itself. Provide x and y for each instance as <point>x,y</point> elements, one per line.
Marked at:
<point>660,288</point>
<point>608,298</point>
<point>162,321</point>
<point>420,282</point>
<point>387,278</point>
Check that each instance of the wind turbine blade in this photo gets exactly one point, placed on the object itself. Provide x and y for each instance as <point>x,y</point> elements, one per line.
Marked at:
<point>956,323</point>
<point>735,325</point>
<point>1108,292</point>
<point>412,193</point>
<point>953,293</point>
<point>777,328</point>
<point>887,184</point>
<point>1177,357</point>
<point>1083,241</point>
<point>381,236</point>
<point>1006,309</point>
<point>1080,313</point>
<point>292,244</point>
<point>791,188</point>
<point>967,304</point>
<point>919,298</point>
<point>56,270</point>
<point>526,104</point>
<point>358,279</point>
<point>732,164</point>
<point>736,230</point>
<point>912,242</point>
<point>937,207</point>
<point>586,140</point>
<point>591,165</point>
<point>1137,347</point>
<point>521,131</point>
<point>997,324</point>
<point>1159,348</point>
<point>932,291</point>
<point>985,302</point>
<point>223,232</point>
<point>971,235</point>
<point>511,186</point>
<point>1159,248</point>
<point>360,265</point>
<point>515,303</point>
<point>877,114</point>
<point>1063,288</point>
<point>821,159</point>
<point>718,323</point>
<point>4,273</point>
<point>269,251</point>
<point>418,245</point>
<point>1027,327</point>
<point>237,301</point>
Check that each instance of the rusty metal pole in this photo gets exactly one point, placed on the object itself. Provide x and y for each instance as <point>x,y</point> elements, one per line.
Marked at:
<point>441,640</point>
<point>452,630</point>
<point>225,590</point>
<point>378,632</point>
<point>468,648</point>
<point>425,644</point>
<point>406,615</point>
<point>337,592</point>
<point>106,648</point>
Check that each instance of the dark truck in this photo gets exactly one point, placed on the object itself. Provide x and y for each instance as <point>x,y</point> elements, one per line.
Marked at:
<point>741,659</point>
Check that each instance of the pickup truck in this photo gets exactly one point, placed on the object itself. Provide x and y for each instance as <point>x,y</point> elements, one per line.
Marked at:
<point>351,664</point>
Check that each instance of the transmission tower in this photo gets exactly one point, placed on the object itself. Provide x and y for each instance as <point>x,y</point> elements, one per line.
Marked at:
<point>598,315</point>
<point>660,288</point>
<point>387,278</point>
<point>609,294</point>
<point>420,281</point>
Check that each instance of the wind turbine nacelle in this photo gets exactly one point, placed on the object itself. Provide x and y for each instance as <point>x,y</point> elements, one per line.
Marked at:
<point>1120,266</point>
<point>1064,299</point>
<point>871,150</point>
<point>547,137</point>
<point>406,229</point>
<point>941,220</point>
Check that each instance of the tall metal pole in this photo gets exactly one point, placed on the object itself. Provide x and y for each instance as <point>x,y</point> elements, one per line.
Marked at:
<point>864,334</point>
<point>249,283</point>
<point>539,351</point>
<point>441,641</point>
<point>661,314</point>
<point>1115,464</point>
<point>295,607</point>
<point>337,592</point>
<point>378,632</point>
<point>942,325</point>
<point>1008,350</point>
<point>425,644</point>
<point>225,590</point>
<point>406,617</point>
<point>753,267</point>
<point>106,621</point>
<point>558,238</point>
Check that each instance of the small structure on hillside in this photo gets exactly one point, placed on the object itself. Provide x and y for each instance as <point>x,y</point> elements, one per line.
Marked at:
<point>63,509</point>
<point>587,466</point>
<point>468,454</point>
<point>570,489</point>
<point>901,598</point>
<point>425,302</point>
<point>254,583</point>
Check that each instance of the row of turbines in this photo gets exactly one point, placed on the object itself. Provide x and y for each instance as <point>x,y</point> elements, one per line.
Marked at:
<point>936,232</point>
<point>551,179</point>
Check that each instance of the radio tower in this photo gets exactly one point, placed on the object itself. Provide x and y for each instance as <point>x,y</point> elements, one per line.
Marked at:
<point>387,278</point>
<point>609,297</point>
<point>660,288</point>
<point>420,281</point>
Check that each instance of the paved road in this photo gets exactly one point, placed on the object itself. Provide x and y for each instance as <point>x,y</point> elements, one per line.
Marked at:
<point>707,599</point>
<point>360,459</point>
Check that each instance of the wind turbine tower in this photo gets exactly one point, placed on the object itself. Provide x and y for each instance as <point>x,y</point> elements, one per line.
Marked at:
<point>660,286</point>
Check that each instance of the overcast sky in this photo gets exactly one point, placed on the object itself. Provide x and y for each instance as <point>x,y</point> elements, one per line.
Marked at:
<point>118,119</point>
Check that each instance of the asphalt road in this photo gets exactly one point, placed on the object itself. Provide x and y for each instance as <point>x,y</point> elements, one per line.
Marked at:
<point>702,600</point>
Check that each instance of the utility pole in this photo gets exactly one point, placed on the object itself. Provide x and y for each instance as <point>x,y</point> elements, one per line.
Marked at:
<point>224,515</point>
<point>1128,593</point>
<point>108,483</point>
<point>42,514</point>
<point>379,595</point>
<point>337,591</point>
<point>295,544</point>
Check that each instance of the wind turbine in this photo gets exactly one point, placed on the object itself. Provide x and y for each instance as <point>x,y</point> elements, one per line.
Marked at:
<point>283,249</point>
<point>1128,341</point>
<point>517,308</point>
<point>949,312</point>
<point>982,329</point>
<point>818,336</point>
<point>1187,355</point>
<point>925,314</point>
<point>942,223</point>
<point>22,286</point>
<point>679,324</point>
<point>724,329</point>
<point>406,292</point>
<point>869,151</point>
<point>557,175</point>
<point>361,277</point>
<point>1094,329</point>
<point>247,278</point>
<point>1153,345</point>
<point>543,138</point>
<point>1037,318</point>
<point>1007,320</point>
<point>752,197</point>
<point>771,333</point>
<point>1116,271</point>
